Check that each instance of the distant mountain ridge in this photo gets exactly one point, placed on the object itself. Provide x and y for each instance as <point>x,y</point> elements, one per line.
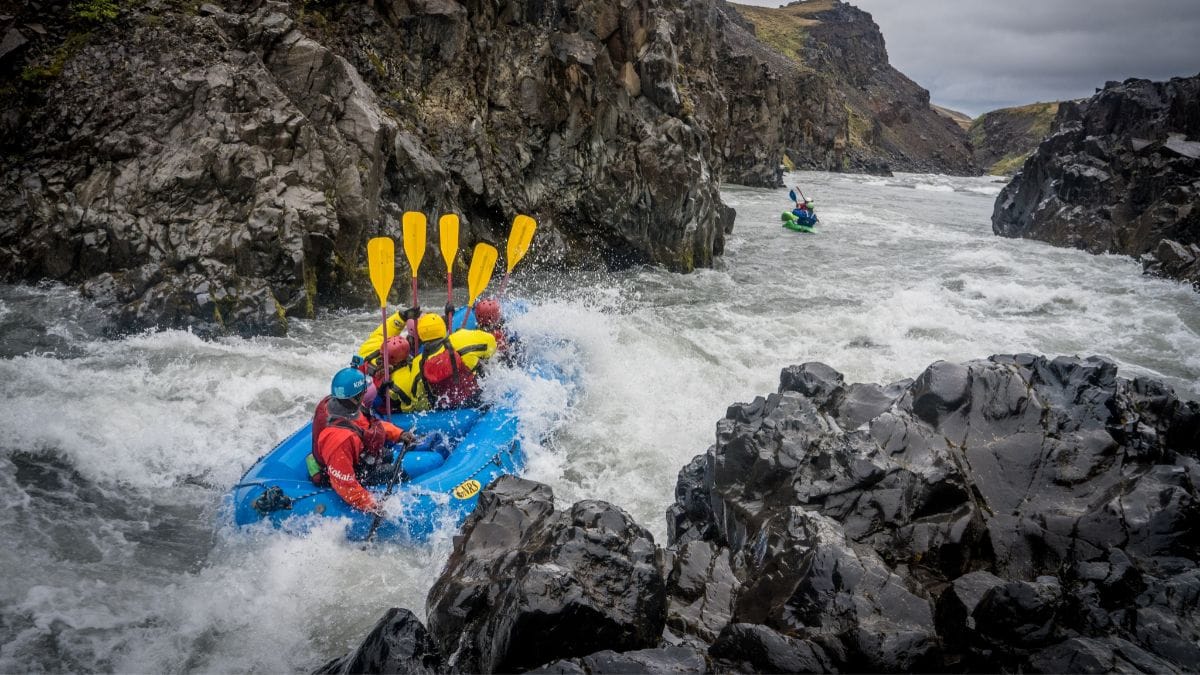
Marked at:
<point>1004,138</point>
<point>961,119</point>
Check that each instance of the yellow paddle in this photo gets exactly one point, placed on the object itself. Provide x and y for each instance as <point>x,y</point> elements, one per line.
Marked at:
<point>448,236</point>
<point>414,245</point>
<point>519,238</point>
<point>483,263</point>
<point>381,262</point>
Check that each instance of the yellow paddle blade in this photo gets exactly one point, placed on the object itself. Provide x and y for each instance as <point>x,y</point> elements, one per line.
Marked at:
<point>414,239</point>
<point>448,233</point>
<point>381,261</point>
<point>483,263</point>
<point>519,239</point>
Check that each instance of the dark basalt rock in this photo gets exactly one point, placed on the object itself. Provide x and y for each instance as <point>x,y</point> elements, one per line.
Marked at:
<point>398,643</point>
<point>1047,508</point>
<point>527,585</point>
<point>663,660</point>
<point>701,589</point>
<point>1118,174</point>
<point>753,648</point>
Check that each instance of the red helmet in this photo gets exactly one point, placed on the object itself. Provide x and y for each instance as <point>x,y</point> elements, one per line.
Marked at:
<point>397,349</point>
<point>487,313</point>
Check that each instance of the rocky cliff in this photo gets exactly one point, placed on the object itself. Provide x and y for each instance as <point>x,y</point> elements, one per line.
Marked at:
<point>1014,514</point>
<point>1120,173</point>
<point>890,122</point>
<point>1004,138</point>
<point>222,166</point>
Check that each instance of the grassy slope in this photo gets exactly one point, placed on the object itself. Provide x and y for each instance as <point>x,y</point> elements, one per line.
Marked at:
<point>784,28</point>
<point>1034,118</point>
<point>961,119</point>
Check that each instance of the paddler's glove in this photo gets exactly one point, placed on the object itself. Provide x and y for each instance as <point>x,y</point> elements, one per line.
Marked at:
<point>407,438</point>
<point>449,309</point>
<point>412,313</point>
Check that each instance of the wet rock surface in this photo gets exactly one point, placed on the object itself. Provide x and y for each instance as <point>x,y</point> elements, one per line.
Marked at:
<point>1013,513</point>
<point>1118,174</point>
<point>527,585</point>
<point>399,643</point>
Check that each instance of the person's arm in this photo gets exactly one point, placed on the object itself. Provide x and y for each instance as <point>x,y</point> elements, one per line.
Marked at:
<point>339,467</point>
<point>473,345</point>
<point>374,341</point>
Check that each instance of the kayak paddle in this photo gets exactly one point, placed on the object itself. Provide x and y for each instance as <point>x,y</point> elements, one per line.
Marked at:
<point>414,245</point>
<point>448,236</point>
<point>519,238</point>
<point>381,262</point>
<point>483,263</point>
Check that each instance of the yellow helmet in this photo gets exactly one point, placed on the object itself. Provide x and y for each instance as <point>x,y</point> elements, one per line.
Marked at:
<point>431,327</point>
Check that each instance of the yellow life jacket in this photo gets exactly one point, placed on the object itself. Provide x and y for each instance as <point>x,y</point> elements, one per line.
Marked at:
<point>408,389</point>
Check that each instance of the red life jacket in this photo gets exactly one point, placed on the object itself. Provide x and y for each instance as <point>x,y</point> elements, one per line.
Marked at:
<point>448,380</point>
<point>372,437</point>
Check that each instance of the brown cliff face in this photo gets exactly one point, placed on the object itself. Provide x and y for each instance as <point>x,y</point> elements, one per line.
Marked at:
<point>890,122</point>
<point>1118,174</point>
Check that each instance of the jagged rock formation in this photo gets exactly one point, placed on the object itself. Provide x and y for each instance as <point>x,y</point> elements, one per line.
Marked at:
<point>1009,514</point>
<point>398,643</point>
<point>1119,174</point>
<point>1013,514</point>
<point>526,585</point>
<point>1004,138</point>
<point>890,122</point>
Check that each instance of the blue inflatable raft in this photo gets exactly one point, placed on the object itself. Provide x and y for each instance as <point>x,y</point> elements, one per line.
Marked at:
<point>478,444</point>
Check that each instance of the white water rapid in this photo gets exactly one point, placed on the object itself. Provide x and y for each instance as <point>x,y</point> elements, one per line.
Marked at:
<point>115,453</point>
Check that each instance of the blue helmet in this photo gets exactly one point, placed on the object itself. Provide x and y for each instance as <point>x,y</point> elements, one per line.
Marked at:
<point>348,383</point>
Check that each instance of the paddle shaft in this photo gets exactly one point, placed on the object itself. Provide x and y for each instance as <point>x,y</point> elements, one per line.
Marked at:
<point>449,297</point>
<point>395,478</point>
<point>387,373</point>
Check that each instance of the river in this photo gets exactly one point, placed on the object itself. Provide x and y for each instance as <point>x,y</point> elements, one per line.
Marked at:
<point>115,453</point>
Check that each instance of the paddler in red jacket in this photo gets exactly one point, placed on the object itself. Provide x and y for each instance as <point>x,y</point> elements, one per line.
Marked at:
<point>349,444</point>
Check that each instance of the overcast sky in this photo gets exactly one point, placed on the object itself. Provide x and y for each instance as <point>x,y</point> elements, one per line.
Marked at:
<point>979,55</point>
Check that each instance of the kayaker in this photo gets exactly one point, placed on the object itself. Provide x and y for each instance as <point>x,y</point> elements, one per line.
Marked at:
<point>448,364</point>
<point>349,442</point>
